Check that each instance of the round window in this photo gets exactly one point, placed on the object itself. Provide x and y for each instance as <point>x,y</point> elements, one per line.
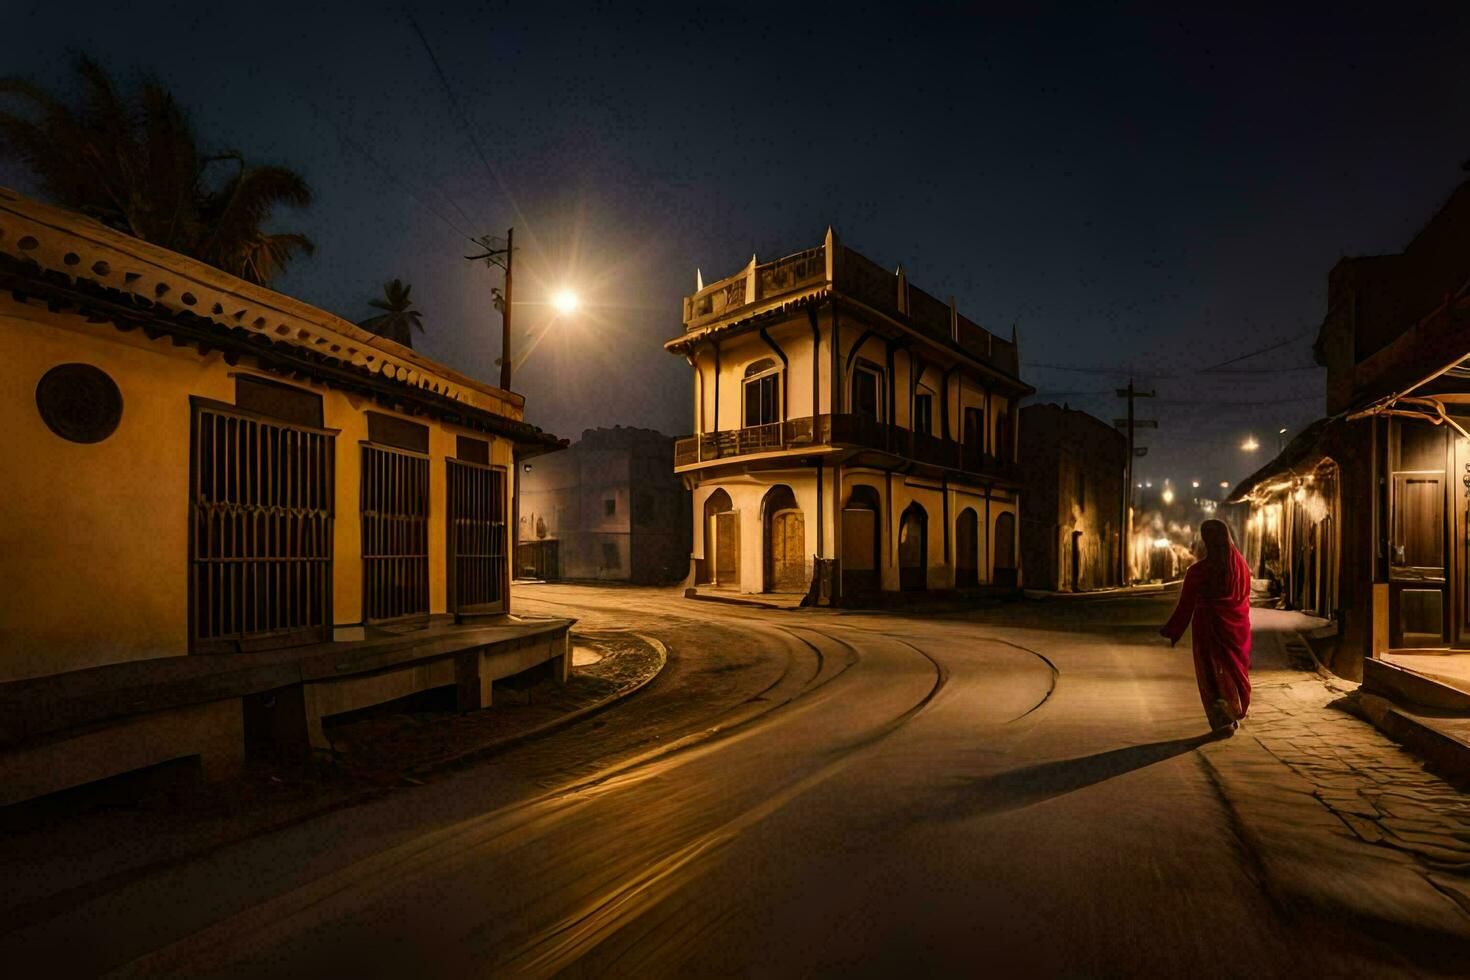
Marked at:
<point>79,402</point>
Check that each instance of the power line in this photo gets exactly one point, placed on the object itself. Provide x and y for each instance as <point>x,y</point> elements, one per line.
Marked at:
<point>457,106</point>
<point>393,176</point>
<point>1255,353</point>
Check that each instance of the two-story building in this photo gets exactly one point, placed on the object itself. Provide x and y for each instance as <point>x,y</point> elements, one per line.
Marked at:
<point>606,508</point>
<point>853,433</point>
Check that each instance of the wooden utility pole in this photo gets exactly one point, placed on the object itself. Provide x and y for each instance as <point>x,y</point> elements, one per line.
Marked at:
<point>505,308</point>
<point>1130,424</point>
<point>504,258</point>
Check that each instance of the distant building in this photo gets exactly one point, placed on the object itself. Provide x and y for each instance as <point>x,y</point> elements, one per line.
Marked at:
<point>229,515</point>
<point>1072,511</point>
<point>609,507</point>
<point>1362,518</point>
<point>853,433</point>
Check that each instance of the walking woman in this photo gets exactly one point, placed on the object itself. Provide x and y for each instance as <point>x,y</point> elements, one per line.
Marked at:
<point>1216,596</point>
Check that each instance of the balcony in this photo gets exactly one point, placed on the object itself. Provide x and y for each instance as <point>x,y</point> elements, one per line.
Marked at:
<point>841,432</point>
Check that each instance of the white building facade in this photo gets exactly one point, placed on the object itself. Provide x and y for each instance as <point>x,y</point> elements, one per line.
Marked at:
<point>853,434</point>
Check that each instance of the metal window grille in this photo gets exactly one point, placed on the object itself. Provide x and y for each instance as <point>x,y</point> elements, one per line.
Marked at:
<point>477,547</point>
<point>260,550</point>
<point>395,534</point>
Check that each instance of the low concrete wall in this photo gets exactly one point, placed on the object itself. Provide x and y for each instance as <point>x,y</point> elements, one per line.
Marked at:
<point>213,732</point>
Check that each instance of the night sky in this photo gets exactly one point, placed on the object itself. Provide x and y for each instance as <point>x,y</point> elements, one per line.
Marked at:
<point>1138,195</point>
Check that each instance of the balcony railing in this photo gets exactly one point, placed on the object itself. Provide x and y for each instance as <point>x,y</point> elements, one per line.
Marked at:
<point>842,431</point>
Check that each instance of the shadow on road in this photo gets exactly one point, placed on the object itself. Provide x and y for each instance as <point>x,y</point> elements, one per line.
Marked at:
<point>1019,788</point>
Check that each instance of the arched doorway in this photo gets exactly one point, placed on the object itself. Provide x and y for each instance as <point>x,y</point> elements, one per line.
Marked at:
<point>785,542</point>
<point>913,549</point>
<point>721,541</point>
<point>860,542</point>
<point>967,549</point>
<point>1005,550</point>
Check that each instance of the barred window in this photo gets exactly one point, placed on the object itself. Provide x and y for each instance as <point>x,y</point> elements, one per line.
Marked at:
<point>478,562</point>
<point>395,534</point>
<point>260,545</point>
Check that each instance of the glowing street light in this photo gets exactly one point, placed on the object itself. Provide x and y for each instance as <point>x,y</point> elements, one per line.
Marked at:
<point>1168,496</point>
<point>1224,485</point>
<point>1250,445</point>
<point>1194,484</point>
<point>565,301</point>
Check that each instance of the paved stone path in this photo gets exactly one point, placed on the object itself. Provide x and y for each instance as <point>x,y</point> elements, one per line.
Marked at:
<point>1379,791</point>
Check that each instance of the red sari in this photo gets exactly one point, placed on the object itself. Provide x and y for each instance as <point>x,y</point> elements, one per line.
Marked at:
<point>1219,605</point>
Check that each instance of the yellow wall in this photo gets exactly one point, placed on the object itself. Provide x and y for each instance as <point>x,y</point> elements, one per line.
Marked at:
<point>94,537</point>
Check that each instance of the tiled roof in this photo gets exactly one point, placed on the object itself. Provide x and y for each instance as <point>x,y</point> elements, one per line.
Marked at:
<point>57,241</point>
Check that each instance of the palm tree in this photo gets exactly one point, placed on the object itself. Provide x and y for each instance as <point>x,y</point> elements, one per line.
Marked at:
<point>399,320</point>
<point>136,166</point>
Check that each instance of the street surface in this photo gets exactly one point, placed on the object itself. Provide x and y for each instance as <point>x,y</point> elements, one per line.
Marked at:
<point>1021,789</point>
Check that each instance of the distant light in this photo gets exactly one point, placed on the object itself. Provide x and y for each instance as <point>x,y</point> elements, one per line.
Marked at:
<point>1194,483</point>
<point>1149,484</point>
<point>1161,542</point>
<point>1168,496</point>
<point>528,467</point>
<point>1224,485</point>
<point>565,301</point>
<point>1281,432</point>
<point>1250,445</point>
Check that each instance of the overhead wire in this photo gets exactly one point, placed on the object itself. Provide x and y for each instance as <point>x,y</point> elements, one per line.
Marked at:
<point>392,175</point>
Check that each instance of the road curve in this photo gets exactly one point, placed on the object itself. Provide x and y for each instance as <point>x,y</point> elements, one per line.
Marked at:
<point>603,855</point>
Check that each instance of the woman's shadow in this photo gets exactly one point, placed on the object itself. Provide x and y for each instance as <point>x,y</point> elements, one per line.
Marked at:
<point>1017,788</point>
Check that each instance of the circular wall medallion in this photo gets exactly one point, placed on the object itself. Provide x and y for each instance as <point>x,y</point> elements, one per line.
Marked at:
<point>79,402</point>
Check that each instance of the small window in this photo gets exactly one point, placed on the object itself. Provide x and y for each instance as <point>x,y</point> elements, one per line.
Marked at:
<point>866,384</point>
<point>610,506</point>
<point>285,402</point>
<point>390,430</point>
<point>610,556</point>
<point>923,414</point>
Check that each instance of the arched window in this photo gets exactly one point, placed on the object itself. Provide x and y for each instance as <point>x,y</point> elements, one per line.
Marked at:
<point>762,392</point>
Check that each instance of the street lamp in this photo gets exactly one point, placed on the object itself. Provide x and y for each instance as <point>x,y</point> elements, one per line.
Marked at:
<point>1250,445</point>
<point>1168,496</point>
<point>1194,484</point>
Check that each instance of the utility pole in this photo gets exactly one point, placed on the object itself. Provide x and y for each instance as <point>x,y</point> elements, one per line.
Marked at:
<point>1130,424</point>
<point>503,258</point>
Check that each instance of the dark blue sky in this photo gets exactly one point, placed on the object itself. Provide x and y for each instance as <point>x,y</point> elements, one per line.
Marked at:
<point>1136,193</point>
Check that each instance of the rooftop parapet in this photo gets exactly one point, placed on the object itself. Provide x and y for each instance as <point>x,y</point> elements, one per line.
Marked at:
<point>832,266</point>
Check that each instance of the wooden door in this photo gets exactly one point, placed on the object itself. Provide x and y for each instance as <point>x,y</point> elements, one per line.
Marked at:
<point>859,550</point>
<point>913,550</point>
<point>786,547</point>
<point>1004,573</point>
<point>1416,560</point>
<point>967,550</point>
<point>727,548</point>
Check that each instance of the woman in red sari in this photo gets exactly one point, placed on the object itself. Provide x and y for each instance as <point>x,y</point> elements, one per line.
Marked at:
<point>1216,596</point>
